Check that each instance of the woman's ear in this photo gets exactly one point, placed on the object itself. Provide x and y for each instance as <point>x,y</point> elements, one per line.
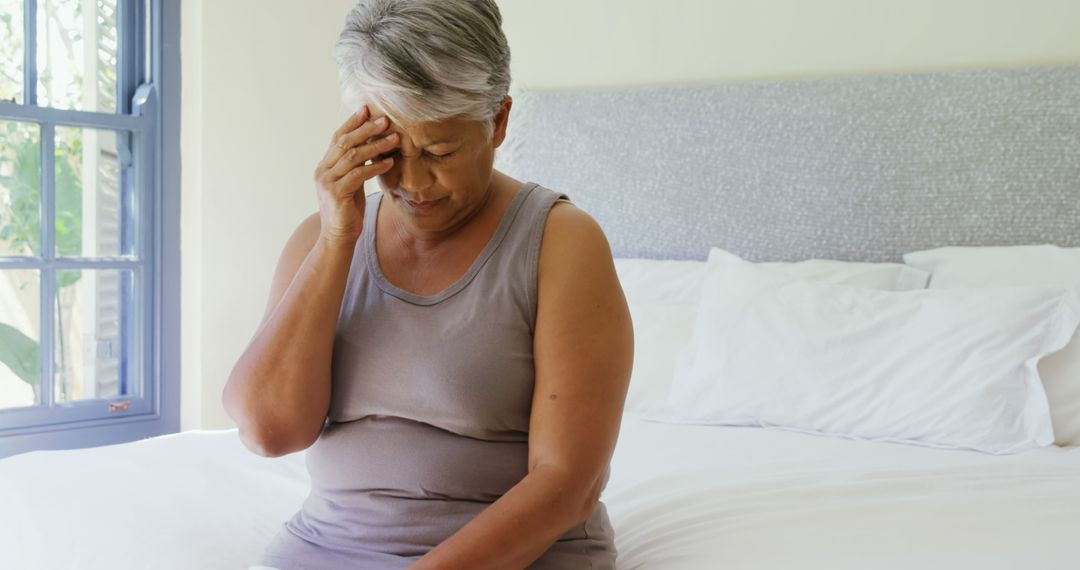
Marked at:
<point>502,118</point>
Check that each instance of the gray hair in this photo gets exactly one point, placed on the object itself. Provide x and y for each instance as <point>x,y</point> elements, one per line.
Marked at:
<point>425,60</point>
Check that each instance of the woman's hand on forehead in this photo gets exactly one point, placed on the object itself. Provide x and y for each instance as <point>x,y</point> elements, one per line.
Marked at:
<point>358,151</point>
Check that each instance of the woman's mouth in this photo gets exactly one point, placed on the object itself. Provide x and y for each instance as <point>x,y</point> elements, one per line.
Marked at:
<point>422,206</point>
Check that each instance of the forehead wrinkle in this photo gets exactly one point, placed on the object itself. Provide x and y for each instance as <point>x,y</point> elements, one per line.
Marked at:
<point>418,137</point>
<point>417,140</point>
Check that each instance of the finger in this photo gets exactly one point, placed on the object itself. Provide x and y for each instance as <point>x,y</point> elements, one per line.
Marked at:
<point>365,172</point>
<point>358,155</point>
<point>355,120</point>
<point>350,139</point>
<point>352,123</point>
<point>362,133</point>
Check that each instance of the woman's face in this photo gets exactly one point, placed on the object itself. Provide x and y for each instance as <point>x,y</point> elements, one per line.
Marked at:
<point>442,170</point>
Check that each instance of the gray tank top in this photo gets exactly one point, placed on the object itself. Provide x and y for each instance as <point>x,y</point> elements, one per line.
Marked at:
<point>429,413</point>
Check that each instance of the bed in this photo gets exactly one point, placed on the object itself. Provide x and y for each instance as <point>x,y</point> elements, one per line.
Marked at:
<point>766,499</point>
<point>856,170</point>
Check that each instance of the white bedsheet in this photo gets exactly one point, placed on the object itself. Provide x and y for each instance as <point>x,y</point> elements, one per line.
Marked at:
<point>197,499</point>
<point>680,497</point>
<point>691,497</point>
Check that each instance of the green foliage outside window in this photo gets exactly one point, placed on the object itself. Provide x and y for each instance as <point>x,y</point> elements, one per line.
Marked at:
<point>20,167</point>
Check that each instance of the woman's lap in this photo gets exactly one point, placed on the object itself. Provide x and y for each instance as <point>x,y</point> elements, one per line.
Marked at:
<point>286,551</point>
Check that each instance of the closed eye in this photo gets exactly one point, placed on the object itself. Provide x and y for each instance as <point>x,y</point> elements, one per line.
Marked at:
<point>439,156</point>
<point>428,155</point>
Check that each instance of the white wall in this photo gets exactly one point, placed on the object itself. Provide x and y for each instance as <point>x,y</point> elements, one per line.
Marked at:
<point>564,43</point>
<point>260,103</point>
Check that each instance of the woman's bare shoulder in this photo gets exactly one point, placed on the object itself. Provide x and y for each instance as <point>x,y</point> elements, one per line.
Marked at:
<point>307,232</point>
<point>567,225</point>
<point>296,249</point>
<point>301,241</point>
<point>574,244</point>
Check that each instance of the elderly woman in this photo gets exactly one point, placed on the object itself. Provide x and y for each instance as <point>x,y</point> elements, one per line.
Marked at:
<point>454,350</point>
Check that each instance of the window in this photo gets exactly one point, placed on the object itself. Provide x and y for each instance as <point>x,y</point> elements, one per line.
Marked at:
<point>89,216</point>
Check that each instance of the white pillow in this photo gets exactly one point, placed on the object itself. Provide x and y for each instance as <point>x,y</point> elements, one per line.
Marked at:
<point>1030,265</point>
<point>663,296</point>
<point>673,281</point>
<point>660,332</point>
<point>942,368</point>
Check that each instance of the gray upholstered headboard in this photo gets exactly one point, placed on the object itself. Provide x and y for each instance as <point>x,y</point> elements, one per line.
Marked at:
<point>854,168</point>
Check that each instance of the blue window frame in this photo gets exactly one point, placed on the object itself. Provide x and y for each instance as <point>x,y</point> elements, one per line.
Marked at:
<point>127,360</point>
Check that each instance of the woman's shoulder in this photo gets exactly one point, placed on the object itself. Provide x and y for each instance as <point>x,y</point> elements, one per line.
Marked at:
<point>564,215</point>
<point>561,209</point>
<point>573,242</point>
<point>307,231</point>
<point>563,225</point>
<point>291,258</point>
<point>302,240</point>
<point>569,228</point>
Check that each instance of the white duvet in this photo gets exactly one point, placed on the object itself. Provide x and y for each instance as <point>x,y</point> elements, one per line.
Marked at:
<point>680,497</point>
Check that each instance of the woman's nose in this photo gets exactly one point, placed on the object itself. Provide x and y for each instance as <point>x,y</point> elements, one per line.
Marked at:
<point>415,177</point>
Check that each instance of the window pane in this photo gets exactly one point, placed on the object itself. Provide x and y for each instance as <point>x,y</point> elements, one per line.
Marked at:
<point>20,330</point>
<point>91,308</point>
<point>88,207</point>
<point>20,195</point>
<point>11,50</point>
<point>76,54</point>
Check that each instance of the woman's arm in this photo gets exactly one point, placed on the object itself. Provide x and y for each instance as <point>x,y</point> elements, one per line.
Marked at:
<point>583,350</point>
<point>279,391</point>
